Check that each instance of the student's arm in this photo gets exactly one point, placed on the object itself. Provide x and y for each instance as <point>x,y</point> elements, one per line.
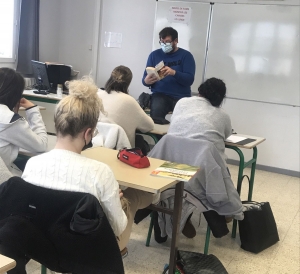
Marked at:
<point>228,128</point>
<point>145,122</point>
<point>108,192</point>
<point>187,75</point>
<point>29,135</point>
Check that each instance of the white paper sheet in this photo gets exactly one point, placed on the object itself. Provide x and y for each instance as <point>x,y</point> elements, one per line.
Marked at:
<point>235,139</point>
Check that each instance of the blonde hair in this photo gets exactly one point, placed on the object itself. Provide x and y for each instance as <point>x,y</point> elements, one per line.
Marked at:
<point>125,206</point>
<point>80,109</point>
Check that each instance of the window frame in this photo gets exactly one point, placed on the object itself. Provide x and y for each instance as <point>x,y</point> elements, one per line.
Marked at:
<point>16,28</point>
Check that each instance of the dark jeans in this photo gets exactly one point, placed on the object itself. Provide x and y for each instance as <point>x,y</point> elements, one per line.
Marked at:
<point>161,105</point>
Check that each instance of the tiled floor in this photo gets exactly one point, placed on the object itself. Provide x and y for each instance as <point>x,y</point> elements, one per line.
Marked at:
<point>283,194</point>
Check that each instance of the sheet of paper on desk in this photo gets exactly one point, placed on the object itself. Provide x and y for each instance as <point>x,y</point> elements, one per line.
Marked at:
<point>235,139</point>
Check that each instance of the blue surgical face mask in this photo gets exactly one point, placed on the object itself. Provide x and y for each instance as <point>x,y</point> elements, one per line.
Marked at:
<point>166,48</point>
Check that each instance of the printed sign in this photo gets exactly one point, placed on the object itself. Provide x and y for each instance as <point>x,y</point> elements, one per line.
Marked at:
<point>180,15</point>
<point>113,40</point>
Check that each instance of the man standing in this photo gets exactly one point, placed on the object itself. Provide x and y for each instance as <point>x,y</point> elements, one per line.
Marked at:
<point>178,72</point>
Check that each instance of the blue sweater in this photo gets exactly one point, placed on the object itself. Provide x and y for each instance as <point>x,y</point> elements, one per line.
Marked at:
<point>179,85</point>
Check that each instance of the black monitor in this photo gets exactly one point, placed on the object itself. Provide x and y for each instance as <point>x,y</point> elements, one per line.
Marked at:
<point>41,76</point>
<point>49,75</point>
<point>58,74</point>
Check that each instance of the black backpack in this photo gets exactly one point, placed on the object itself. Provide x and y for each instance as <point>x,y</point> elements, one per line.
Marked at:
<point>197,263</point>
<point>144,100</point>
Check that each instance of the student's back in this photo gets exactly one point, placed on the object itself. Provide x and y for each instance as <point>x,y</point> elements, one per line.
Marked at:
<point>123,109</point>
<point>120,107</point>
<point>202,116</point>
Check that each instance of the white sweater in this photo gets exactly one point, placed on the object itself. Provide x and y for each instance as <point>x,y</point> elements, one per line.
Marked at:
<point>16,132</point>
<point>195,117</point>
<point>125,111</point>
<point>65,170</point>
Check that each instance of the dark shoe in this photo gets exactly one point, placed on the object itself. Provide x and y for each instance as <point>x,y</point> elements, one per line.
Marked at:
<point>124,252</point>
<point>189,230</point>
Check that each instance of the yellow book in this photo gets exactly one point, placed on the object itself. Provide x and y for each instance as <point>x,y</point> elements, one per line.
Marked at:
<point>156,71</point>
<point>181,172</point>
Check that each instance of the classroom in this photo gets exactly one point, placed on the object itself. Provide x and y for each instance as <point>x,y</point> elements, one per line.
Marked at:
<point>253,46</point>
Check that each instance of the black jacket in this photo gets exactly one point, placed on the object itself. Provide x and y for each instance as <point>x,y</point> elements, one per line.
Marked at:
<point>65,231</point>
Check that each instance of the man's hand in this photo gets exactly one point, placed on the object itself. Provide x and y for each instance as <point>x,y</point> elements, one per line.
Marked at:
<point>167,71</point>
<point>150,79</point>
<point>26,103</point>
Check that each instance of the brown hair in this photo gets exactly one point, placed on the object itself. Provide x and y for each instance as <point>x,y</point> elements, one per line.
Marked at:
<point>79,110</point>
<point>119,80</point>
<point>11,87</point>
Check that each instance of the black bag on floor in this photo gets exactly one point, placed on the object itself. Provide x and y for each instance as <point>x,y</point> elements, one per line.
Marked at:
<point>258,230</point>
<point>144,100</point>
<point>198,263</point>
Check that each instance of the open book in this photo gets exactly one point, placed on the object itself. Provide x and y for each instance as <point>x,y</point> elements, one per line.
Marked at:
<point>176,171</point>
<point>156,71</point>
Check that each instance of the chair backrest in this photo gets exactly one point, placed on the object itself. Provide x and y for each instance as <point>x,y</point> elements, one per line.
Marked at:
<point>111,136</point>
<point>212,184</point>
<point>69,226</point>
<point>5,174</point>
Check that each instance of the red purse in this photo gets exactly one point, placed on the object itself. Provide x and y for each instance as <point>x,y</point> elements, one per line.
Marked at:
<point>133,157</point>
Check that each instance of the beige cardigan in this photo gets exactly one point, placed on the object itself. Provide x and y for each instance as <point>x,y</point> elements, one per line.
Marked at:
<point>125,111</point>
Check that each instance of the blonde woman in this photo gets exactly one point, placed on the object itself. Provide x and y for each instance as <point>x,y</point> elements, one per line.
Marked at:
<point>64,168</point>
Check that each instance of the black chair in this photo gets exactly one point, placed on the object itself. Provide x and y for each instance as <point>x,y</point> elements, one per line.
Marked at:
<point>64,231</point>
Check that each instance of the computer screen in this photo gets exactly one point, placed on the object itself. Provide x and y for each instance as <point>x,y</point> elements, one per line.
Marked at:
<point>58,74</point>
<point>40,75</point>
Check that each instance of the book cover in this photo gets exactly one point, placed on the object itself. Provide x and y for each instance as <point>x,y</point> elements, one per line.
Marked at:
<point>156,70</point>
<point>176,171</point>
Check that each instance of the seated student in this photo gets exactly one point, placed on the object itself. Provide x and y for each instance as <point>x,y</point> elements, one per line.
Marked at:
<point>202,116</point>
<point>64,168</point>
<point>123,109</point>
<point>15,131</point>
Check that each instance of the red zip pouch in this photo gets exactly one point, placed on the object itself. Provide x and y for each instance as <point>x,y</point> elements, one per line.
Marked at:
<point>133,157</point>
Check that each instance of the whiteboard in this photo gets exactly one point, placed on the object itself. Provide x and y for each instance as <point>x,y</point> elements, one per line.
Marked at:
<point>255,50</point>
<point>191,36</point>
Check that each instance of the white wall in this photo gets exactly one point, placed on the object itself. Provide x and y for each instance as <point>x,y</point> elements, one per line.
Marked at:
<point>277,123</point>
<point>76,34</point>
<point>136,23</point>
<point>66,32</point>
<point>49,30</point>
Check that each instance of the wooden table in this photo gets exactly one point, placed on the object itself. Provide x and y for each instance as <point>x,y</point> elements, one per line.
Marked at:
<point>51,98</point>
<point>157,132</point>
<point>141,179</point>
<point>6,264</point>
<point>236,147</point>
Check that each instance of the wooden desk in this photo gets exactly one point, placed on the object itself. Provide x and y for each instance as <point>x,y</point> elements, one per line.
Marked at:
<point>49,98</point>
<point>6,264</point>
<point>157,132</point>
<point>141,179</point>
<point>243,165</point>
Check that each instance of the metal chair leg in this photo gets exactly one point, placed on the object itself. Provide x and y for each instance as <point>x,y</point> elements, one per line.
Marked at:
<point>207,240</point>
<point>150,230</point>
<point>43,269</point>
